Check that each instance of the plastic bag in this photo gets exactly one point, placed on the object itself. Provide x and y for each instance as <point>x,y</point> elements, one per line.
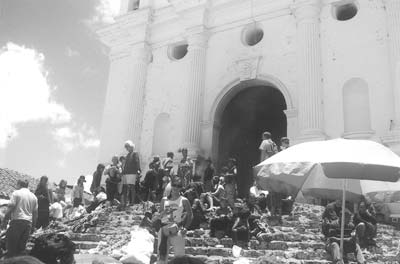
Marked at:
<point>236,251</point>
<point>140,248</point>
<point>242,261</point>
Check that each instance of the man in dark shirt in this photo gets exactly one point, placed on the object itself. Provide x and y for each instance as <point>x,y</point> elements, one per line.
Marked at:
<point>208,175</point>
<point>365,224</point>
<point>152,179</point>
<point>97,178</point>
<point>130,174</point>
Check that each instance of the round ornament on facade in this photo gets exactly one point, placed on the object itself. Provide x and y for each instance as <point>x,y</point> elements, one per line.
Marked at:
<point>252,35</point>
<point>344,10</point>
<point>177,51</point>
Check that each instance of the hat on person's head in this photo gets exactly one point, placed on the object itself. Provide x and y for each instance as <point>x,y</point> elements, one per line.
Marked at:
<point>267,134</point>
<point>285,139</point>
<point>129,143</point>
<point>156,159</point>
<point>209,159</point>
<point>82,177</point>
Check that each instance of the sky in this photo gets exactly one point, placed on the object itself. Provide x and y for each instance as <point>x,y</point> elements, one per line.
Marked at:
<point>53,80</point>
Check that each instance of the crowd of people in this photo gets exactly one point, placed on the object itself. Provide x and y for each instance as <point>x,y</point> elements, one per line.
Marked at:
<point>187,201</point>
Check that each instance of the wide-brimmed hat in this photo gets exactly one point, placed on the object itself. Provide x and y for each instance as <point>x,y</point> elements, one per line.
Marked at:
<point>82,177</point>
<point>155,159</point>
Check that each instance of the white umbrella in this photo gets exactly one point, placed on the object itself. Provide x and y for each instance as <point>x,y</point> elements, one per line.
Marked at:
<point>319,186</point>
<point>334,159</point>
<point>357,159</point>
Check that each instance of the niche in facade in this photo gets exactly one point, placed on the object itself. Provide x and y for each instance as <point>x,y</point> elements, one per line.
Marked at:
<point>344,10</point>
<point>252,35</point>
<point>133,5</point>
<point>356,109</point>
<point>161,135</point>
<point>177,51</point>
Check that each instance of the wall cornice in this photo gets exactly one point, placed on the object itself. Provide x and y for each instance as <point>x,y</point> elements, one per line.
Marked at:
<point>183,18</point>
<point>128,29</point>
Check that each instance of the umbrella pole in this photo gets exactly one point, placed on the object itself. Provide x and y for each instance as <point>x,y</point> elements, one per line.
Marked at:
<point>342,222</point>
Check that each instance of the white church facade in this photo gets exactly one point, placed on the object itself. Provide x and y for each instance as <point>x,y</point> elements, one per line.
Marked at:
<point>212,75</point>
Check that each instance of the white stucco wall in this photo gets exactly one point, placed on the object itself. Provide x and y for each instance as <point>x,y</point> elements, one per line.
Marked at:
<point>357,48</point>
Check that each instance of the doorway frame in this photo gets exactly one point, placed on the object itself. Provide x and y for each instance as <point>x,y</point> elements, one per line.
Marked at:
<point>235,87</point>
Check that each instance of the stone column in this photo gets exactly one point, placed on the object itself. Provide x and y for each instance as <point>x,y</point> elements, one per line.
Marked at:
<point>137,75</point>
<point>307,13</point>
<point>196,57</point>
<point>393,26</point>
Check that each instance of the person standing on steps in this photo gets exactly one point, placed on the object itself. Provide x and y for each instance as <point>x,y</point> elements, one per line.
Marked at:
<point>113,171</point>
<point>130,173</point>
<point>77,192</point>
<point>268,147</point>
<point>185,168</point>
<point>208,175</point>
<point>23,212</point>
<point>97,175</point>
<point>44,198</point>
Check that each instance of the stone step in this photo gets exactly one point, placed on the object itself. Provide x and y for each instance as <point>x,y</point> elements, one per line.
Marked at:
<point>318,254</point>
<point>85,237</point>
<point>295,240</point>
<point>267,259</point>
<point>85,245</point>
<point>262,260</point>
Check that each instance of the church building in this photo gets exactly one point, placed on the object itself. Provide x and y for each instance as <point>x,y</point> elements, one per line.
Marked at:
<point>212,75</point>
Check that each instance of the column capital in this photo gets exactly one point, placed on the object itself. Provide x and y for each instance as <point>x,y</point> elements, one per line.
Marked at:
<point>118,53</point>
<point>306,9</point>
<point>391,3</point>
<point>198,40</point>
<point>141,52</point>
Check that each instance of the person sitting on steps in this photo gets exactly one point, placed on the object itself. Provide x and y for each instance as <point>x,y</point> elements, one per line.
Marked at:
<point>350,243</point>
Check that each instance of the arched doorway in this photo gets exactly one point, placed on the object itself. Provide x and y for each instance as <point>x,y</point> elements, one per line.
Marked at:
<point>243,119</point>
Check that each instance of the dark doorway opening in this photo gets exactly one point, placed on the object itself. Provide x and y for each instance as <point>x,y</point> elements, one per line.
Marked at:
<point>248,114</point>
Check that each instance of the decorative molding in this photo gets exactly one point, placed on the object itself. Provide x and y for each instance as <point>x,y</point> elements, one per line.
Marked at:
<point>127,30</point>
<point>198,40</point>
<point>206,124</point>
<point>141,52</point>
<point>247,69</point>
<point>306,9</point>
<point>393,137</point>
<point>291,113</point>
<point>359,134</point>
<point>116,54</point>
